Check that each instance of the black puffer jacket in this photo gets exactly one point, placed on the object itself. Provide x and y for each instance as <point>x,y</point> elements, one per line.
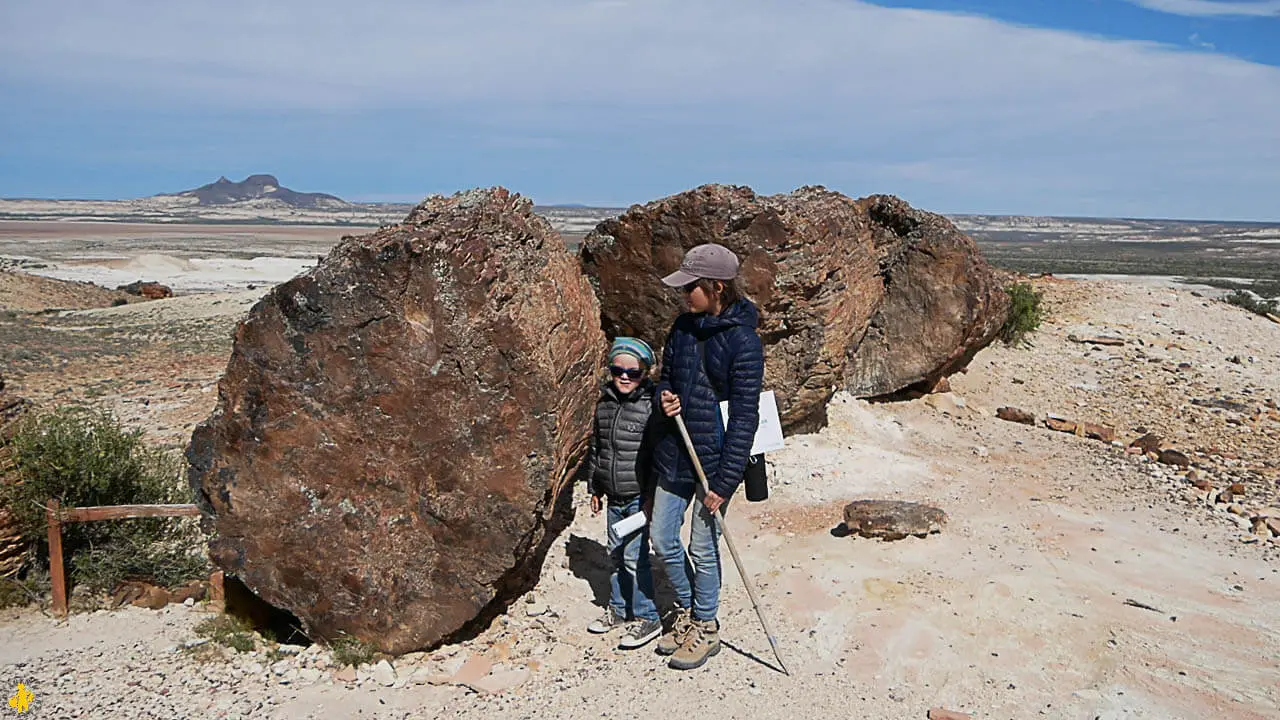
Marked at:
<point>622,443</point>
<point>735,365</point>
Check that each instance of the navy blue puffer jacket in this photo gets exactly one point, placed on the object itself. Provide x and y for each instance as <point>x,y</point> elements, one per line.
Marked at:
<point>735,363</point>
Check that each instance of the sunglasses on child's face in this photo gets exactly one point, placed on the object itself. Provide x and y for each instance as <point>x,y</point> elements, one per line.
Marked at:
<point>686,289</point>
<point>631,373</point>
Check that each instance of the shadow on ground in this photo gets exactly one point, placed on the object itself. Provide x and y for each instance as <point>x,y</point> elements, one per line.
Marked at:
<point>589,560</point>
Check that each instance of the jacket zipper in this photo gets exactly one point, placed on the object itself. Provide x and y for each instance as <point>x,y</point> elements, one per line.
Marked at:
<point>613,449</point>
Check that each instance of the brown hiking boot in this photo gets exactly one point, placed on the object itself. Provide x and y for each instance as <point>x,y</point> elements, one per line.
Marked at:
<point>703,642</point>
<point>681,626</point>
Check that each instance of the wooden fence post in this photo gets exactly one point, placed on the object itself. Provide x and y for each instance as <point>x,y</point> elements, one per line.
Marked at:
<point>56,516</point>
<point>57,575</point>
<point>217,591</point>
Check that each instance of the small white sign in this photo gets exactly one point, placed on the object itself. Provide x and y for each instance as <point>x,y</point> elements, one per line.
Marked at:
<point>769,431</point>
<point>629,524</point>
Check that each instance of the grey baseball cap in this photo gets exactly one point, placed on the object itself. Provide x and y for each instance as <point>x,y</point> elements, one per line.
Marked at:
<point>712,261</point>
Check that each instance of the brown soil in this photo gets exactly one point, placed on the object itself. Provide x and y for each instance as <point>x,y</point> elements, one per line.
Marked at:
<point>30,293</point>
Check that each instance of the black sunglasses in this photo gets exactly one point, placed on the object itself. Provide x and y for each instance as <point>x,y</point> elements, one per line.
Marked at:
<point>631,373</point>
<point>689,287</point>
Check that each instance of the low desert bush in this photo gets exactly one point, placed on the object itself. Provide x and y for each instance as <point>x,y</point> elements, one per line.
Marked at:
<point>1253,303</point>
<point>351,651</point>
<point>18,593</point>
<point>228,631</point>
<point>84,457</point>
<point>1026,312</point>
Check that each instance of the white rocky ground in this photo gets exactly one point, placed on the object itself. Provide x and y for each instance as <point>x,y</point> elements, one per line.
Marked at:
<point>1017,610</point>
<point>187,258</point>
<point>174,209</point>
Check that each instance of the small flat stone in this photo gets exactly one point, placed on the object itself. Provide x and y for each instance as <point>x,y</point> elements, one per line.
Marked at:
<point>1096,340</point>
<point>1149,442</point>
<point>425,676</point>
<point>476,667</point>
<point>383,674</point>
<point>1018,415</point>
<point>892,519</point>
<point>498,682</point>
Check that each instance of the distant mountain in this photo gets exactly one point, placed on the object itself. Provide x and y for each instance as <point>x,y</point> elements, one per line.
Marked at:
<point>259,187</point>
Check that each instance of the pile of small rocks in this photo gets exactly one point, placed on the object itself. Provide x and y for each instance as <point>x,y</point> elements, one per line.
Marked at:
<point>1212,481</point>
<point>1186,391</point>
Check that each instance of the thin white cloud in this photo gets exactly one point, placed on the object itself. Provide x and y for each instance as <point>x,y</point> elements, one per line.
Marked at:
<point>1210,8</point>
<point>825,90</point>
<point>1195,39</point>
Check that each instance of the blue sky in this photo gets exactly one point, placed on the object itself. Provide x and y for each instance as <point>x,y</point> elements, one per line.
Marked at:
<point>1139,108</point>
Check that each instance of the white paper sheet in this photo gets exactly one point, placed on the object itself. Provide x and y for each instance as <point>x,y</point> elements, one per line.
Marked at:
<point>769,432</point>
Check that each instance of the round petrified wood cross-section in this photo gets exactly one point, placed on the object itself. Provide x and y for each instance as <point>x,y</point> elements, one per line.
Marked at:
<point>892,519</point>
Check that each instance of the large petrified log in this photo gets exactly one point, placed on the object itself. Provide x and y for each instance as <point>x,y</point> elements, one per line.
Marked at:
<point>394,426</point>
<point>942,302</point>
<point>870,294</point>
<point>13,549</point>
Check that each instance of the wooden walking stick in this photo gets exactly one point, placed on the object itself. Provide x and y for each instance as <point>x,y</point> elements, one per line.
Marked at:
<point>728,540</point>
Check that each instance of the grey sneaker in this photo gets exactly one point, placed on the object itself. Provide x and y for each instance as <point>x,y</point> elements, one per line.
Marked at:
<point>681,626</point>
<point>608,622</point>
<point>640,633</point>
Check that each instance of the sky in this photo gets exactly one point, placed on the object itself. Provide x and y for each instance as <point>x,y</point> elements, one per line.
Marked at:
<point>1116,108</point>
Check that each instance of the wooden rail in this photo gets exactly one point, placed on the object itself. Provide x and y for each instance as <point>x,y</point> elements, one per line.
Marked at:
<point>57,515</point>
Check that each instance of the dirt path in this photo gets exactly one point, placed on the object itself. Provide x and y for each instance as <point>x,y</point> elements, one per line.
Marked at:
<point>1017,610</point>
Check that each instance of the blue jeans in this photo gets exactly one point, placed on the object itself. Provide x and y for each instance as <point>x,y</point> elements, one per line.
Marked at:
<point>697,586</point>
<point>631,582</point>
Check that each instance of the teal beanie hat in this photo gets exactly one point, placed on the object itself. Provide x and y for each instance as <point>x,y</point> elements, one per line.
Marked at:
<point>634,347</point>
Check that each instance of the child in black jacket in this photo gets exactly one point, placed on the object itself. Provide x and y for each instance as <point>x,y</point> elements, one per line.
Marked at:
<point>621,477</point>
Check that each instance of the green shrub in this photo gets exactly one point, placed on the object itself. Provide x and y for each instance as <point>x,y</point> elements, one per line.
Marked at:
<point>1253,303</point>
<point>18,593</point>
<point>84,457</point>
<point>136,556</point>
<point>228,631</point>
<point>1026,312</point>
<point>351,651</point>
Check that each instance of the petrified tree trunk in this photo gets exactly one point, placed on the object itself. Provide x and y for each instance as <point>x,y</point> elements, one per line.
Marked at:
<point>13,549</point>
<point>394,425</point>
<point>942,302</point>
<point>868,294</point>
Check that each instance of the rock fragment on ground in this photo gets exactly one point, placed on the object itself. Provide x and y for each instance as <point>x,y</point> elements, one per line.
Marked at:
<point>147,290</point>
<point>1169,456</point>
<point>1017,415</point>
<point>1097,340</point>
<point>892,519</point>
<point>1149,442</point>
<point>1090,430</point>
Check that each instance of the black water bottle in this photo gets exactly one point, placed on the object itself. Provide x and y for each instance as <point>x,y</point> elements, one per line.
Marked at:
<point>756,479</point>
